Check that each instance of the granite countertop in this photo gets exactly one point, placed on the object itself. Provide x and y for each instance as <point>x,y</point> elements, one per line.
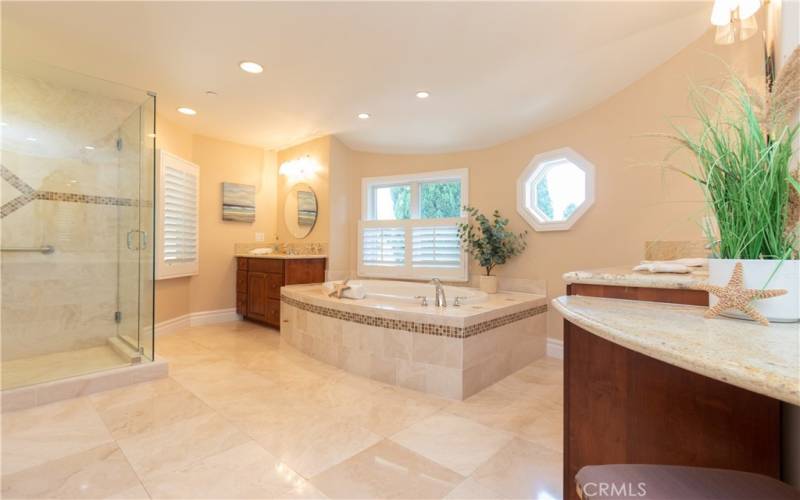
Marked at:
<point>625,276</point>
<point>498,304</point>
<point>765,360</point>
<point>284,256</point>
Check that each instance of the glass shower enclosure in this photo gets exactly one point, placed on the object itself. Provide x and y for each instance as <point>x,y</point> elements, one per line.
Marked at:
<point>76,224</point>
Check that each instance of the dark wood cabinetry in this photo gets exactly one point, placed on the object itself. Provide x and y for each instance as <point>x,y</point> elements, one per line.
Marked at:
<point>259,282</point>
<point>622,407</point>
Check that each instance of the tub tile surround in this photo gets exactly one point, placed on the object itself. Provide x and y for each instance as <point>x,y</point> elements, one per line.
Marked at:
<point>452,352</point>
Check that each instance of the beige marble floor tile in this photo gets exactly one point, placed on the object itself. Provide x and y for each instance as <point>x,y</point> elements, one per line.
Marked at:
<point>389,410</point>
<point>136,393</point>
<point>136,493</point>
<point>523,470</point>
<point>310,445</point>
<point>244,471</point>
<point>471,489</point>
<point>38,435</point>
<point>455,442</point>
<point>174,446</point>
<point>99,472</point>
<point>148,415</point>
<point>387,470</point>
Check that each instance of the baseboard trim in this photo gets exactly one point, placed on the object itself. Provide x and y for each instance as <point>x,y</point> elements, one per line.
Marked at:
<point>555,348</point>
<point>196,319</point>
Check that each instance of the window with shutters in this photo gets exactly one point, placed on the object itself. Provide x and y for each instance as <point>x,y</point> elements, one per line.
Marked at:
<point>409,226</point>
<point>178,215</point>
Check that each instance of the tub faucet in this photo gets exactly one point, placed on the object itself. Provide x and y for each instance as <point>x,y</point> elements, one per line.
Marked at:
<point>441,300</point>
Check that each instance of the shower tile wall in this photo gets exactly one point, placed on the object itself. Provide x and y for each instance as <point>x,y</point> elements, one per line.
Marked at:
<point>65,300</point>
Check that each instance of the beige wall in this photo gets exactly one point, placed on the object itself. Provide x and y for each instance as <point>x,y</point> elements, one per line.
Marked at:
<point>634,202</point>
<point>219,161</point>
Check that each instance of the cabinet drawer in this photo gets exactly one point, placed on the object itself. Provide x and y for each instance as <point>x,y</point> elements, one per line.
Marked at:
<point>241,281</point>
<point>274,284</point>
<point>241,263</point>
<point>241,304</point>
<point>274,312</point>
<point>266,265</point>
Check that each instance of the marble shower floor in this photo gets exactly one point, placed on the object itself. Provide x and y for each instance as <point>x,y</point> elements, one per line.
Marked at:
<point>58,365</point>
<point>242,416</point>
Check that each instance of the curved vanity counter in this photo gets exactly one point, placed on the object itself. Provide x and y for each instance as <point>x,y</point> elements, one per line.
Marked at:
<point>625,276</point>
<point>764,360</point>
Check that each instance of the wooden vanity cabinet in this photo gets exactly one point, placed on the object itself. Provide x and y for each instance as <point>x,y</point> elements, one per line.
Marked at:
<point>259,282</point>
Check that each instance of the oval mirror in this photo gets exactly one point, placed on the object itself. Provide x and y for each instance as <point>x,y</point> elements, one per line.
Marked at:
<point>300,210</point>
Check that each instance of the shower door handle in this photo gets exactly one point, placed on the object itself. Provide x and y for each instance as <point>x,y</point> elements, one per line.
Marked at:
<point>141,240</point>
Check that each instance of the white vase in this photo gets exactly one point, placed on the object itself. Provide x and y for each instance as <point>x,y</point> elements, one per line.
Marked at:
<point>488,284</point>
<point>771,274</point>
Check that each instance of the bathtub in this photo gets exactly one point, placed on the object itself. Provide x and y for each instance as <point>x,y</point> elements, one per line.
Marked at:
<point>406,291</point>
<point>452,352</point>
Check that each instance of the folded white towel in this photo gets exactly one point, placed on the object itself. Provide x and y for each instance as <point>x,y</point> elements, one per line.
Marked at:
<point>663,267</point>
<point>356,290</point>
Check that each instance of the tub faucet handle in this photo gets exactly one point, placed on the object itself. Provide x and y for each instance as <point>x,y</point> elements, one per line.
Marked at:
<point>458,300</point>
<point>424,300</point>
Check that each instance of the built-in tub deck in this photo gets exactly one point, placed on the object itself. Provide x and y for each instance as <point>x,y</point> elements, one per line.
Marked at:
<point>452,352</point>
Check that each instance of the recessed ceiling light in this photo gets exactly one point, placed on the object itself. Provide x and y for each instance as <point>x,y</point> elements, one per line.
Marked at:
<point>32,139</point>
<point>187,111</point>
<point>364,116</point>
<point>210,92</point>
<point>251,67</point>
<point>422,94</point>
<point>90,148</point>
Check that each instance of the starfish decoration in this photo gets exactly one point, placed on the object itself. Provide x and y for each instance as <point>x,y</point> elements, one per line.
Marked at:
<point>735,296</point>
<point>339,289</point>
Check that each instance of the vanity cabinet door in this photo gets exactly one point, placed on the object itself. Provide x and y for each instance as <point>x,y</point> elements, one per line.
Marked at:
<point>257,296</point>
<point>301,271</point>
<point>274,284</point>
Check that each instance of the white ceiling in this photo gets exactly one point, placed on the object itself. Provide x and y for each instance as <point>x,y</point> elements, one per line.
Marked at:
<point>495,70</point>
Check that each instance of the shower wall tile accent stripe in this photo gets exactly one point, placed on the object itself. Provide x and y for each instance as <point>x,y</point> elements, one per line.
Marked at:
<point>414,326</point>
<point>30,194</point>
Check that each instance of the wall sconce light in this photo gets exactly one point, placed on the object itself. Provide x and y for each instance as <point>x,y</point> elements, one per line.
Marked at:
<point>300,168</point>
<point>734,19</point>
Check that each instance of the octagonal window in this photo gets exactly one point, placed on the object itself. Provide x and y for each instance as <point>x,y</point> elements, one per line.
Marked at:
<point>555,190</point>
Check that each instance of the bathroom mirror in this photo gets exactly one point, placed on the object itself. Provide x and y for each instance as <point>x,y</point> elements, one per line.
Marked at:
<point>300,210</point>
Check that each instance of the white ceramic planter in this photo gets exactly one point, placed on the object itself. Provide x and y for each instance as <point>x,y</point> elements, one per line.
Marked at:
<point>488,284</point>
<point>763,274</point>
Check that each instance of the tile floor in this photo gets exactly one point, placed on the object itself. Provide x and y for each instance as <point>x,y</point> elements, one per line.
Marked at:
<point>242,416</point>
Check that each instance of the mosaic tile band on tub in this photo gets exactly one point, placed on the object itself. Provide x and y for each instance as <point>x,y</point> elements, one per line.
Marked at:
<point>413,326</point>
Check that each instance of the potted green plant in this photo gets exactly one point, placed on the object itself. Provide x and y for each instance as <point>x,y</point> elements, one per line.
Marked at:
<point>743,151</point>
<point>490,243</point>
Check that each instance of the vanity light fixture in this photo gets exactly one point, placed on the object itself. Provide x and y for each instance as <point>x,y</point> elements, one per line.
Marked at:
<point>299,168</point>
<point>363,116</point>
<point>423,94</point>
<point>187,111</point>
<point>251,67</point>
<point>90,148</point>
<point>734,19</point>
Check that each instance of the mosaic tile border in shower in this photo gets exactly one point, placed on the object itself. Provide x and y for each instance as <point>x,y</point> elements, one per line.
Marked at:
<point>458,332</point>
<point>29,194</point>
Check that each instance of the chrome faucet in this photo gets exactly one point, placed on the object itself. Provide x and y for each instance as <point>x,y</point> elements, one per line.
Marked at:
<point>441,300</point>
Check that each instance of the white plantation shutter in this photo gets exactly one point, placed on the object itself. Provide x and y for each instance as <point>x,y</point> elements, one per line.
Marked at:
<point>412,249</point>
<point>178,253</point>
<point>436,246</point>
<point>384,246</point>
